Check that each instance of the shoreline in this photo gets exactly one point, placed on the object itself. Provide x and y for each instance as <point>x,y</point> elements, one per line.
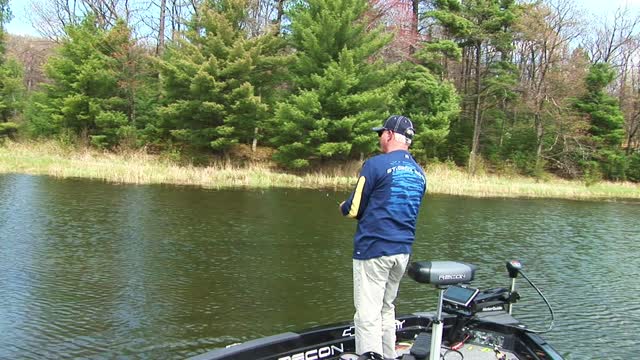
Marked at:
<point>137,167</point>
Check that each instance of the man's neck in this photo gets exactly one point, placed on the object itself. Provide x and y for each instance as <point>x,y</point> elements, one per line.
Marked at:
<point>393,146</point>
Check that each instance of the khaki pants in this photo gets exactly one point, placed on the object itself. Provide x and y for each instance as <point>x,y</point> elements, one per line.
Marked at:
<point>375,287</point>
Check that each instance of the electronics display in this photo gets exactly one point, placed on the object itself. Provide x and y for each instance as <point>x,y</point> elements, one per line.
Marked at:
<point>460,295</point>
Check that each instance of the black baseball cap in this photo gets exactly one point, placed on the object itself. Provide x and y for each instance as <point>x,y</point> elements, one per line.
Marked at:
<point>398,124</point>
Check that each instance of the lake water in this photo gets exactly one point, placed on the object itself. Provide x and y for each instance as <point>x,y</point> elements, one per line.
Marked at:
<point>102,271</point>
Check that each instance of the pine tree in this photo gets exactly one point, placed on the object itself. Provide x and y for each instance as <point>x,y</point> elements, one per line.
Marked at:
<point>340,90</point>
<point>218,83</point>
<point>603,110</point>
<point>431,104</point>
<point>606,122</point>
<point>85,95</point>
<point>11,79</point>
<point>12,89</point>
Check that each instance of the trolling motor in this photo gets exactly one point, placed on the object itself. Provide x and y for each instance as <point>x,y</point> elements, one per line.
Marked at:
<point>463,301</point>
<point>441,274</point>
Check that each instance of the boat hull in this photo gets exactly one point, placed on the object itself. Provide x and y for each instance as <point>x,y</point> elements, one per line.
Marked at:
<point>495,330</point>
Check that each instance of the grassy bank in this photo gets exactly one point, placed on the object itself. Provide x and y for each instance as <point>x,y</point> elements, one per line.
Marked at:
<point>141,168</point>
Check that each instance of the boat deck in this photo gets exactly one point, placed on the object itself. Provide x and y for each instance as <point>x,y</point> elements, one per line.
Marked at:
<point>479,352</point>
<point>467,352</point>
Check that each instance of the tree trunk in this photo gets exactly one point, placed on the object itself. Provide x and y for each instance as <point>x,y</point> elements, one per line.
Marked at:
<point>539,135</point>
<point>279,15</point>
<point>477,119</point>
<point>163,7</point>
<point>630,136</point>
<point>254,143</point>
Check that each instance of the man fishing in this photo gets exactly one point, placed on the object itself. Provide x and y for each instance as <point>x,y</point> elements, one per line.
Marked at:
<point>386,201</point>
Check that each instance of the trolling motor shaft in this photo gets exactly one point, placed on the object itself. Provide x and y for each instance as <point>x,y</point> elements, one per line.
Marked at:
<point>513,267</point>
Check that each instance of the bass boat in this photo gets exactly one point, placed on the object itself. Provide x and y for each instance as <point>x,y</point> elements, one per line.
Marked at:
<point>469,323</point>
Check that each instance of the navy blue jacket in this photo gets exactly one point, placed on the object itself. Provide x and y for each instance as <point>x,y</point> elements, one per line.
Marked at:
<point>386,202</point>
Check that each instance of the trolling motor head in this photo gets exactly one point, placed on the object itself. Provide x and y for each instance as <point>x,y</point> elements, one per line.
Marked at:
<point>514,267</point>
<point>441,272</point>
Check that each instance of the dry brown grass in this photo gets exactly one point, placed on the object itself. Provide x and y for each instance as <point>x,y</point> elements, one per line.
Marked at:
<point>139,167</point>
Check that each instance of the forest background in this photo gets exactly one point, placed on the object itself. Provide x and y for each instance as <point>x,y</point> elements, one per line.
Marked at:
<point>533,88</point>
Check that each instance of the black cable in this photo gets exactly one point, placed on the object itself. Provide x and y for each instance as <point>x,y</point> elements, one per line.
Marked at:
<point>553,317</point>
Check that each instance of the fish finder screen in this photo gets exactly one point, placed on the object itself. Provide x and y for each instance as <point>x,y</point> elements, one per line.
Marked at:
<point>460,295</point>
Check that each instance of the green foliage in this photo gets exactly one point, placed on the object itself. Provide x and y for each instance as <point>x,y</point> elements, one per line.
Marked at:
<point>600,75</point>
<point>450,15</point>
<point>40,113</point>
<point>5,18</point>
<point>12,90</point>
<point>501,82</point>
<point>8,129</point>
<point>90,92</point>
<point>476,21</point>
<point>340,92</point>
<point>483,28</point>
<point>99,141</point>
<point>219,84</point>
<point>633,172</point>
<point>518,148</point>
<point>603,110</point>
<point>321,30</point>
<point>591,173</point>
<point>433,54</point>
<point>614,164</point>
<point>11,74</point>
<point>458,143</point>
<point>431,104</point>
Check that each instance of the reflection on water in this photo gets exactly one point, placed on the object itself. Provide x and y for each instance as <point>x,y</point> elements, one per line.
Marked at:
<point>92,270</point>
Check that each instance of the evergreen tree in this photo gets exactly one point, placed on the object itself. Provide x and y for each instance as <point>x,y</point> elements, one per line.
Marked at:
<point>86,95</point>
<point>5,17</point>
<point>218,83</point>
<point>137,86</point>
<point>432,105</point>
<point>12,90</point>
<point>606,122</point>
<point>11,84</point>
<point>603,110</point>
<point>340,90</point>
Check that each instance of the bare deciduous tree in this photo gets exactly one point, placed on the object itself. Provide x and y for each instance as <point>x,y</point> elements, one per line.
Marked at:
<point>32,53</point>
<point>548,30</point>
<point>607,43</point>
<point>617,42</point>
<point>50,17</point>
<point>631,108</point>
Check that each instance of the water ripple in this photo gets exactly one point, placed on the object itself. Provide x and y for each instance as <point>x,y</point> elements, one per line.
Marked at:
<point>91,270</point>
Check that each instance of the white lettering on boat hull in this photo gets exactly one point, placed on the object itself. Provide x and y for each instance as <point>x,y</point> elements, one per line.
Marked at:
<point>315,354</point>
